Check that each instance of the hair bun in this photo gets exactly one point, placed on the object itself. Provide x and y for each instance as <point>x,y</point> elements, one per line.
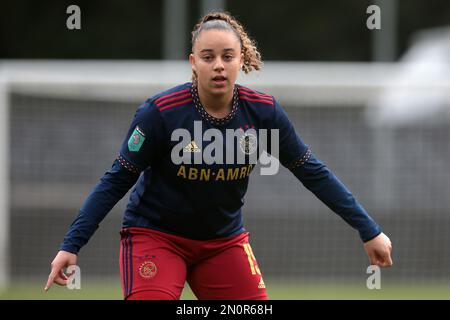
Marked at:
<point>214,16</point>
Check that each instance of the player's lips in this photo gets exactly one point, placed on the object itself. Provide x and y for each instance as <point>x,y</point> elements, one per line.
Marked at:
<point>219,80</point>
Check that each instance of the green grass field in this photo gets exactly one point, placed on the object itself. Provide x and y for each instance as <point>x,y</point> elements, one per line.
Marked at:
<point>92,290</point>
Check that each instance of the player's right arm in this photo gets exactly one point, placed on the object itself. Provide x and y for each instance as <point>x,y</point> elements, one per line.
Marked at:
<point>139,150</point>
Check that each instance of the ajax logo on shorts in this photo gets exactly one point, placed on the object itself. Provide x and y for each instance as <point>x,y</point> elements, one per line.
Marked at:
<point>147,270</point>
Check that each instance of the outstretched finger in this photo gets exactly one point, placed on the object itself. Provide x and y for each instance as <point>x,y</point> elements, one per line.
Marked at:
<point>51,279</point>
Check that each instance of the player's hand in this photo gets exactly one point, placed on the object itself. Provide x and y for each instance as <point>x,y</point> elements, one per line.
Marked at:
<point>379,251</point>
<point>62,260</point>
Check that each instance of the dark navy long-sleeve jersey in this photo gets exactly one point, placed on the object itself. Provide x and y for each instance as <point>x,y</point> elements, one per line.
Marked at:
<point>203,200</point>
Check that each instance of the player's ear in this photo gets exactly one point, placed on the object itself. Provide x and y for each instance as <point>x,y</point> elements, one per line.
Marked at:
<point>192,61</point>
<point>242,60</point>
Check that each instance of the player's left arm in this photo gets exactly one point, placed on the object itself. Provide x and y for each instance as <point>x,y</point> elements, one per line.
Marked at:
<point>295,155</point>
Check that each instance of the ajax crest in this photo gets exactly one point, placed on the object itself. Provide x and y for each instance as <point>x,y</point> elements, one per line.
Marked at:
<point>248,143</point>
<point>147,270</point>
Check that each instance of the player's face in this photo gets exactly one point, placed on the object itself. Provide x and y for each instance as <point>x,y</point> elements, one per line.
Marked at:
<point>217,59</point>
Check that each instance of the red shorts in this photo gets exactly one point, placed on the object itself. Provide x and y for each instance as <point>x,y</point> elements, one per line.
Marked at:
<point>156,265</point>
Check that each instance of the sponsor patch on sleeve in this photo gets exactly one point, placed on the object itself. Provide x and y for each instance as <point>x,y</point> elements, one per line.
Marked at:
<point>136,140</point>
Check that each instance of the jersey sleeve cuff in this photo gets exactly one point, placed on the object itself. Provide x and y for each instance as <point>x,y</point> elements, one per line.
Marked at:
<point>367,236</point>
<point>128,165</point>
<point>300,162</point>
<point>69,248</point>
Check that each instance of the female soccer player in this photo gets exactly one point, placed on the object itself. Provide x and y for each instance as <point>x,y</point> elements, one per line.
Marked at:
<point>183,221</point>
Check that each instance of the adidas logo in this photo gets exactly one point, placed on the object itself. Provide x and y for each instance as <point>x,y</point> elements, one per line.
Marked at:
<point>191,147</point>
<point>261,284</point>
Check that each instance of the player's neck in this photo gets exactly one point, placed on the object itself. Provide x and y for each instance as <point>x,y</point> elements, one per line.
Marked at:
<point>217,105</point>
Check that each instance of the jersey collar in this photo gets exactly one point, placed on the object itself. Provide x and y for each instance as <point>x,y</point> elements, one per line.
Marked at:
<point>206,116</point>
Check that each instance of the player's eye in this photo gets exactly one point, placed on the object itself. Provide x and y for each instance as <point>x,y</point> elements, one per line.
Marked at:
<point>228,58</point>
<point>207,58</point>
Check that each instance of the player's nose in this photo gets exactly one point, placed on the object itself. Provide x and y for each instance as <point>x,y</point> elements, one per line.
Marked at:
<point>218,65</point>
